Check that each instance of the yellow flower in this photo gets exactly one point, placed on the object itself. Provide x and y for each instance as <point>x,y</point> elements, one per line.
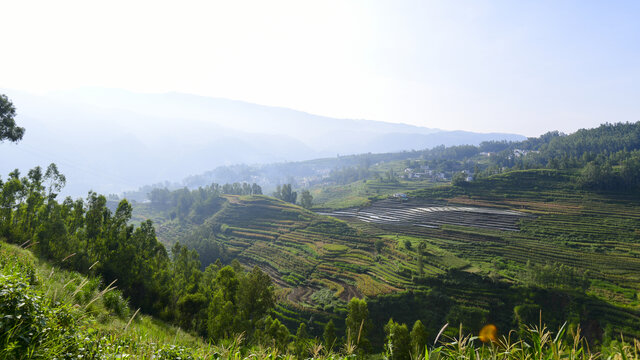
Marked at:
<point>488,333</point>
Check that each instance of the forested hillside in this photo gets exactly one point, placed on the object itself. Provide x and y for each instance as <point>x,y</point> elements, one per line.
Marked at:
<point>87,237</point>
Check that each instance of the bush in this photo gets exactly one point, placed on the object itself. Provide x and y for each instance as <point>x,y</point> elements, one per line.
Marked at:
<point>116,303</point>
<point>29,323</point>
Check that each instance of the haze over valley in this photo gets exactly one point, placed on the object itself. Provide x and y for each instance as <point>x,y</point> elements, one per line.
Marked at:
<point>112,141</point>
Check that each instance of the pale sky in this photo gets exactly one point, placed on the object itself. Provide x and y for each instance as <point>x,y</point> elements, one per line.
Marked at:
<point>491,66</point>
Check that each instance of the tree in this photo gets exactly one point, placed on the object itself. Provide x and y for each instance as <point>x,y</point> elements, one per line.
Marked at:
<point>255,296</point>
<point>8,128</point>
<point>306,200</point>
<point>54,179</point>
<point>285,193</point>
<point>160,197</point>
<point>288,195</point>
<point>358,323</point>
<point>220,317</point>
<point>422,247</point>
<point>222,309</point>
<point>379,244</point>
<point>459,179</point>
<point>398,341</point>
<point>273,333</point>
<point>630,172</point>
<point>329,335</point>
<point>256,189</point>
<point>418,339</point>
<point>301,344</point>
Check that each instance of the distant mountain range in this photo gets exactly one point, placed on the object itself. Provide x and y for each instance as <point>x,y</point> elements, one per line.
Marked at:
<point>113,140</point>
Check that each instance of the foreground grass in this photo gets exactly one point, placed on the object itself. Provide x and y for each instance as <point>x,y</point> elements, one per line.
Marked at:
<point>51,313</point>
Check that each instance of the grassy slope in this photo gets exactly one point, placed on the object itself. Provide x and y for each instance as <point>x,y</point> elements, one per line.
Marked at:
<point>103,315</point>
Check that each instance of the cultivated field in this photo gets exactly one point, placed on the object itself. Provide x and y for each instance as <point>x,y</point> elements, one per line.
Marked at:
<point>432,214</point>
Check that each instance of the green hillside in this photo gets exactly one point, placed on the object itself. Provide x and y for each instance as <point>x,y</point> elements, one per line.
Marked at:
<point>49,312</point>
<point>497,250</point>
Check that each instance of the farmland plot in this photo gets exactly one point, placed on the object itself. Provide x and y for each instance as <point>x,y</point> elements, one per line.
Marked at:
<point>430,214</point>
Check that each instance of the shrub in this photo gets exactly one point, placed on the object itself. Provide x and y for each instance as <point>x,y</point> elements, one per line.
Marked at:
<point>116,303</point>
<point>29,324</point>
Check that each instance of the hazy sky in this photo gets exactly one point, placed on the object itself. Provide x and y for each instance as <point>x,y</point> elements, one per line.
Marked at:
<point>508,66</point>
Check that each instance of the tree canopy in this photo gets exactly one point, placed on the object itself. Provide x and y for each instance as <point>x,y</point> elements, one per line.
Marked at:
<point>8,128</point>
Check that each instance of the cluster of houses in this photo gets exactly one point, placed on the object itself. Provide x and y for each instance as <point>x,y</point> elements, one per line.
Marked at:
<point>519,153</point>
<point>319,178</point>
<point>516,153</point>
<point>424,173</point>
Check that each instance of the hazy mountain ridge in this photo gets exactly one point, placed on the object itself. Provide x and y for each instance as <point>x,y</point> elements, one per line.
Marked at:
<point>130,139</point>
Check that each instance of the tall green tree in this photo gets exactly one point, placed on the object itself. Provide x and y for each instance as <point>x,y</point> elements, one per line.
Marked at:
<point>8,128</point>
<point>306,199</point>
<point>272,333</point>
<point>256,189</point>
<point>358,324</point>
<point>398,342</point>
<point>255,296</point>
<point>285,193</point>
<point>222,312</point>
<point>418,339</point>
<point>301,344</point>
<point>329,336</point>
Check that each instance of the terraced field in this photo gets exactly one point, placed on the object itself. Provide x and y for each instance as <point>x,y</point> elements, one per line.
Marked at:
<point>495,228</point>
<point>431,214</point>
<point>473,252</point>
<point>595,232</point>
<point>306,253</point>
<point>491,230</point>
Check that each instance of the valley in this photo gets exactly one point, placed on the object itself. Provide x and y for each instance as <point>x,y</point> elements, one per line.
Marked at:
<point>528,240</point>
<point>513,244</point>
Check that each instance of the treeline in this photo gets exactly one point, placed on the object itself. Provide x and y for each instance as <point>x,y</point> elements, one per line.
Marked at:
<point>604,158</point>
<point>85,236</point>
<point>285,193</point>
<point>551,150</point>
<point>349,174</point>
<point>556,276</point>
<point>199,203</point>
<point>616,171</point>
<point>608,156</point>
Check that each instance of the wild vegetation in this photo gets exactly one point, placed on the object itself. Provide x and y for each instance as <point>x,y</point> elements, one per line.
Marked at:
<point>89,238</point>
